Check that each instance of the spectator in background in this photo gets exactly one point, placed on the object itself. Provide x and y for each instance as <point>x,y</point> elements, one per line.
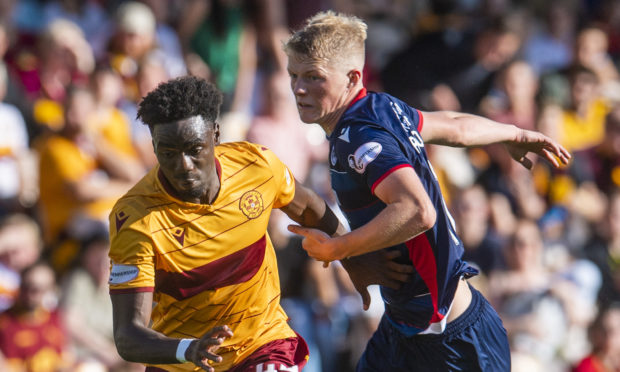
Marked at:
<point>523,296</point>
<point>514,100</point>
<point>20,246</point>
<point>604,251</point>
<point>605,338</point>
<point>81,174</point>
<point>64,57</point>
<point>220,33</point>
<point>133,39</point>
<point>108,120</point>
<point>435,83</point>
<point>473,221</point>
<point>591,51</point>
<point>151,73</point>
<point>550,44</point>
<point>89,15</point>
<point>601,164</point>
<point>14,183</point>
<point>32,336</point>
<point>168,41</point>
<point>583,120</point>
<point>87,310</point>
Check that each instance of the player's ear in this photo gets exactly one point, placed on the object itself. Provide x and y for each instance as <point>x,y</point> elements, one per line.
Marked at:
<point>216,133</point>
<point>355,76</point>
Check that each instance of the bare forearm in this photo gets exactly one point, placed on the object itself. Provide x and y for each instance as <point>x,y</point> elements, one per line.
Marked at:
<point>388,228</point>
<point>310,210</point>
<point>143,345</point>
<point>466,130</point>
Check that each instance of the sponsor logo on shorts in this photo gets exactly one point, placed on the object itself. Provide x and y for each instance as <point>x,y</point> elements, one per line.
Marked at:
<point>251,204</point>
<point>123,273</point>
<point>364,155</point>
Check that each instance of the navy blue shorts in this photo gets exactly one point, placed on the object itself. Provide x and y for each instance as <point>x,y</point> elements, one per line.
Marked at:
<point>475,341</point>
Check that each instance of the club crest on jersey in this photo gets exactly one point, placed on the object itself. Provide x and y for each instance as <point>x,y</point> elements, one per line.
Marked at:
<point>123,273</point>
<point>251,204</point>
<point>364,155</point>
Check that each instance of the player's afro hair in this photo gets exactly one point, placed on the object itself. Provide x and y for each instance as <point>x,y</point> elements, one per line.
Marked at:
<point>179,99</point>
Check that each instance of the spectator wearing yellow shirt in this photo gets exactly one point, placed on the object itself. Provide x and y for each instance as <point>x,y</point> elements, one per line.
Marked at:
<point>81,174</point>
<point>583,121</point>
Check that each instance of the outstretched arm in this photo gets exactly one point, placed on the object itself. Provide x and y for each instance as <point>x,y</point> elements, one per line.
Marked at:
<point>465,130</point>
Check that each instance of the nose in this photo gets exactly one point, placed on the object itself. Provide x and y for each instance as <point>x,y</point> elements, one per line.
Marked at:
<point>298,87</point>
<point>185,163</point>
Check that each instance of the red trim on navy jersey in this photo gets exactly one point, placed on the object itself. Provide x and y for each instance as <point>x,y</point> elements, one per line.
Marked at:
<point>378,181</point>
<point>130,290</point>
<point>361,94</point>
<point>231,269</point>
<point>423,259</point>
<point>421,121</point>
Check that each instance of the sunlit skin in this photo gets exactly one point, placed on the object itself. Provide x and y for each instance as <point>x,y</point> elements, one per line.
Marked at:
<point>185,151</point>
<point>322,90</point>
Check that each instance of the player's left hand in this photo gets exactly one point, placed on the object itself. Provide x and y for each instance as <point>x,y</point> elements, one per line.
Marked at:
<point>379,267</point>
<point>538,143</point>
<point>318,244</point>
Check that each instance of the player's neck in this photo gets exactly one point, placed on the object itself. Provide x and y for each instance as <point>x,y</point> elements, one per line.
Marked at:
<point>213,189</point>
<point>330,121</point>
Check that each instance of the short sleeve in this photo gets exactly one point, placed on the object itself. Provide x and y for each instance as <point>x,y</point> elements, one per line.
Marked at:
<point>283,178</point>
<point>372,153</point>
<point>131,255</point>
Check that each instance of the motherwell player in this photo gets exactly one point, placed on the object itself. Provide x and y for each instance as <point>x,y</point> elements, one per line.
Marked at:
<point>191,237</point>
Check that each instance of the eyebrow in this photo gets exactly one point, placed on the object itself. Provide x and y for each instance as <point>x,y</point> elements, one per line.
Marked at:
<point>184,144</point>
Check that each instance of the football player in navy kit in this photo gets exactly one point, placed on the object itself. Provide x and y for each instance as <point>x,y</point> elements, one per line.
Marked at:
<point>389,193</point>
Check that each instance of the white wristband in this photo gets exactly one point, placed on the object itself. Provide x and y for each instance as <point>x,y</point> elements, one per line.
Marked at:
<point>182,347</point>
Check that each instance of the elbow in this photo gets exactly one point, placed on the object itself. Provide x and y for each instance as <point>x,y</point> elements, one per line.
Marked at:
<point>123,346</point>
<point>426,218</point>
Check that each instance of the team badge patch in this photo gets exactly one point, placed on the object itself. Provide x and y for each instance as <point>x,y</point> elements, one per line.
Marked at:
<point>123,273</point>
<point>364,155</point>
<point>251,204</point>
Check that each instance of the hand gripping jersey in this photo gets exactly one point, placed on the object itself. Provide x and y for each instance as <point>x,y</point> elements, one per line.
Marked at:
<point>208,265</point>
<point>377,135</point>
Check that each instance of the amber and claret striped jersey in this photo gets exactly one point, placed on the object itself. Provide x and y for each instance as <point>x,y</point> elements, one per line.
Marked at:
<point>207,265</point>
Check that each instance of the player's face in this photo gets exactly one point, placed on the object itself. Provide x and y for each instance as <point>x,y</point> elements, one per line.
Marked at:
<point>321,90</point>
<point>184,150</point>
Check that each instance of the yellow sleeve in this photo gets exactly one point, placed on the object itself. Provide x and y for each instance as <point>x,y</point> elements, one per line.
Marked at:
<point>283,177</point>
<point>131,254</point>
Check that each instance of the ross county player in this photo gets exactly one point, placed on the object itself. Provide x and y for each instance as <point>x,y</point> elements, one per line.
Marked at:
<point>389,193</point>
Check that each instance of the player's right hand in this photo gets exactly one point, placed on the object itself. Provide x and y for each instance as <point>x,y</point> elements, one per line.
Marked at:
<point>202,351</point>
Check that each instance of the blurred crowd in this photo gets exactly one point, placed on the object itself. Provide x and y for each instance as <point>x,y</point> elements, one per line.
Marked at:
<point>547,241</point>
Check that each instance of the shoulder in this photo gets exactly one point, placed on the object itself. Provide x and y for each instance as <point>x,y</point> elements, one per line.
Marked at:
<point>244,153</point>
<point>135,207</point>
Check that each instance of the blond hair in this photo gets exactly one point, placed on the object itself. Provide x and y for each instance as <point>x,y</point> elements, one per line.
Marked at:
<point>330,37</point>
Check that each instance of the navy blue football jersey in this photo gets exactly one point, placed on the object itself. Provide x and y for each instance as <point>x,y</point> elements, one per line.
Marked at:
<point>377,135</point>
